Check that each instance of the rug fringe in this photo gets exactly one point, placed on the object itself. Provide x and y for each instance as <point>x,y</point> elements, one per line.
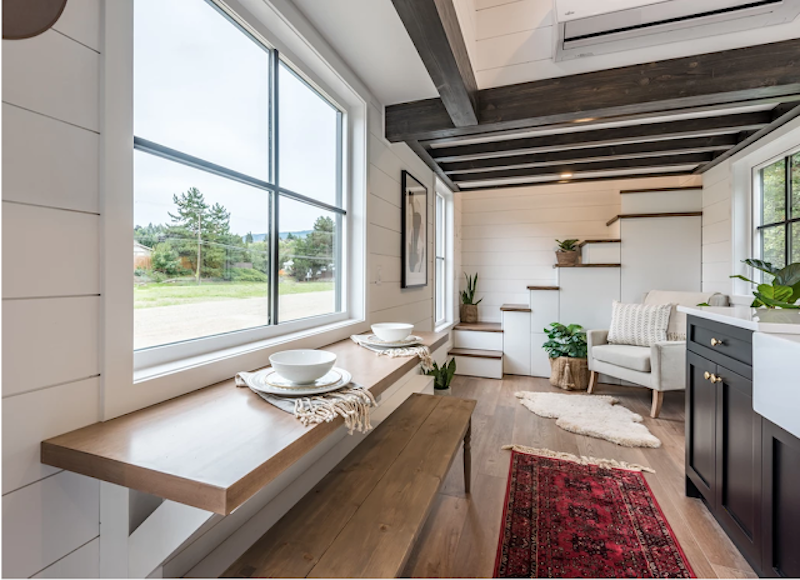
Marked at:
<point>582,460</point>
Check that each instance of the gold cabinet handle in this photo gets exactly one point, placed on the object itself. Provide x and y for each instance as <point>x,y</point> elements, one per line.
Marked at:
<point>707,375</point>
<point>715,379</point>
<point>716,342</point>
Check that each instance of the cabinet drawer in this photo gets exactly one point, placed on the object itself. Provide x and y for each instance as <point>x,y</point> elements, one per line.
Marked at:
<point>720,342</point>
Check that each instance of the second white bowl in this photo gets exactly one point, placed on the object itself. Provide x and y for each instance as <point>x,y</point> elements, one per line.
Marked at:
<point>303,366</point>
<point>392,331</point>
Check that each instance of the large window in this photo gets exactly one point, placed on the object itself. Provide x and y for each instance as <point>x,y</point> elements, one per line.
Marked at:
<point>778,213</point>
<point>238,206</point>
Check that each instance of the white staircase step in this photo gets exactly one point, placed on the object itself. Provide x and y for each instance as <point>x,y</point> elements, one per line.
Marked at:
<point>479,336</point>
<point>478,363</point>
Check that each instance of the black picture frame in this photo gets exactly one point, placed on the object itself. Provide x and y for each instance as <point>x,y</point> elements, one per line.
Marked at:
<point>414,232</point>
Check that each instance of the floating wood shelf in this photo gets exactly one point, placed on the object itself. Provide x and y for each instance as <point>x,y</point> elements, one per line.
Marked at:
<point>216,447</point>
<point>471,352</point>
<point>612,241</point>
<point>479,326</point>
<point>627,216</point>
<point>590,266</point>
<point>515,308</point>
<point>543,288</point>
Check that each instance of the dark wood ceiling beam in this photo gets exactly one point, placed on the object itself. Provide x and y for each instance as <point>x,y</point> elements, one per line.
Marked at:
<point>434,29</point>
<point>781,115</point>
<point>731,76</point>
<point>705,126</point>
<point>608,152</point>
<point>577,179</point>
<point>577,168</point>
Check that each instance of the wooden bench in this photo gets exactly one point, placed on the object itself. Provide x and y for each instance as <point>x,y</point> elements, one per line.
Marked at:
<point>363,518</point>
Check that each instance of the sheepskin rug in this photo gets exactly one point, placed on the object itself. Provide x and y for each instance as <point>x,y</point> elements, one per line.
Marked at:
<point>593,415</point>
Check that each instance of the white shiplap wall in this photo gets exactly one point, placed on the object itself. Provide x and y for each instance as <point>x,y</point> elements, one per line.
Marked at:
<point>508,236</point>
<point>387,301</point>
<point>717,230</point>
<point>50,312</point>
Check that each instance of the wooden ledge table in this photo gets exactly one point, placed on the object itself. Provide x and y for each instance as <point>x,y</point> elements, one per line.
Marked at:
<point>216,447</point>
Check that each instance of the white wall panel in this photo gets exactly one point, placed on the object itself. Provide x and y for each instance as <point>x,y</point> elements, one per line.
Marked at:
<point>48,342</point>
<point>51,163</point>
<point>717,212</point>
<point>47,520</point>
<point>49,252</point>
<point>53,75</point>
<point>587,295</point>
<point>30,418</point>
<point>81,21</point>
<point>660,254</point>
<point>544,308</point>
<point>517,343</point>
<point>82,563</point>
<point>512,17</point>
<point>540,362</point>
<point>663,201</point>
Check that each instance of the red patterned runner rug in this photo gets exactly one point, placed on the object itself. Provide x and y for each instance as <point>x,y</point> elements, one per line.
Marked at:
<point>575,519</point>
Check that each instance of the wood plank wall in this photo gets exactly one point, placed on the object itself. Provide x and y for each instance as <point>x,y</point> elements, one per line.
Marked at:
<point>717,230</point>
<point>51,291</point>
<point>509,235</point>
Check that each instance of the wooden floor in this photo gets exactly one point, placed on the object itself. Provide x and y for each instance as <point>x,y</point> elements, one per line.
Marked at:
<point>460,537</point>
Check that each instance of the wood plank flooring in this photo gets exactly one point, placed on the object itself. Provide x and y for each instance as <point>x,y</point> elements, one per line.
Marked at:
<point>460,537</point>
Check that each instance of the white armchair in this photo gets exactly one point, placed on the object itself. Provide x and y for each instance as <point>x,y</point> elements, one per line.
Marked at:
<point>661,367</point>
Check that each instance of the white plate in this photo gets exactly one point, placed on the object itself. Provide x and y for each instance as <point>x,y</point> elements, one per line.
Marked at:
<point>373,340</point>
<point>261,380</point>
<point>276,379</point>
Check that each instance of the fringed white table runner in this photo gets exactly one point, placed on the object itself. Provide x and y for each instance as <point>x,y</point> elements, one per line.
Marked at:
<point>423,352</point>
<point>352,403</point>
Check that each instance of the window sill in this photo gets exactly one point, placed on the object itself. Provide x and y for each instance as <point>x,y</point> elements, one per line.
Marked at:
<point>232,354</point>
<point>446,326</point>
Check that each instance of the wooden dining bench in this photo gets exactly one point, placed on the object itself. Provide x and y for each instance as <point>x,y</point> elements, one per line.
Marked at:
<point>363,518</point>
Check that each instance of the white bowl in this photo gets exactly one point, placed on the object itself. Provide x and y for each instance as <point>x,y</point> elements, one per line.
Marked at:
<point>302,366</point>
<point>392,331</point>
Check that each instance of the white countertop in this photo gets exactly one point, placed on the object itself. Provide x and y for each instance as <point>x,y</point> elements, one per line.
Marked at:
<point>776,321</point>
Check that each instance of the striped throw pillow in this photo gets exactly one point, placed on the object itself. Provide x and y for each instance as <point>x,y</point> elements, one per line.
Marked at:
<point>639,324</point>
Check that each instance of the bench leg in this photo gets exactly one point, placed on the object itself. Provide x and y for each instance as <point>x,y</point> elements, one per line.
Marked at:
<point>468,458</point>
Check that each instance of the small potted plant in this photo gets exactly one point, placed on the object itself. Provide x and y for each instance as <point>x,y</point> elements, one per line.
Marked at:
<point>469,308</point>
<point>566,346</point>
<point>442,376</point>
<point>568,253</point>
<point>784,292</point>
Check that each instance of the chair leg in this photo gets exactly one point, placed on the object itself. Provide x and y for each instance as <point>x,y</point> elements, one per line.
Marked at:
<point>592,381</point>
<point>658,399</point>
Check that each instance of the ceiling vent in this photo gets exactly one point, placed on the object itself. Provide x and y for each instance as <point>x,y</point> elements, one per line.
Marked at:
<point>590,28</point>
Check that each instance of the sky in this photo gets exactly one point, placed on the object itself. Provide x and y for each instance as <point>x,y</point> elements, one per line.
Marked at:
<point>200,86</point>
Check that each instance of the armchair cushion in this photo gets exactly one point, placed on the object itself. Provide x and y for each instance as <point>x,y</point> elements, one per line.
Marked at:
<point>668,361</point>
<point>636,358</point>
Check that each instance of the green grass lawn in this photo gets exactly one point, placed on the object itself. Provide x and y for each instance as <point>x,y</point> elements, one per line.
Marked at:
<point>171,294</point>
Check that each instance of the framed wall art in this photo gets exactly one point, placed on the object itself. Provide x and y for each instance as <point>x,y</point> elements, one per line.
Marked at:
<point>414,229</point>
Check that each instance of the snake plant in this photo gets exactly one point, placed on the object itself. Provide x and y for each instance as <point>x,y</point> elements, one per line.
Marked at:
<point>468,295</point>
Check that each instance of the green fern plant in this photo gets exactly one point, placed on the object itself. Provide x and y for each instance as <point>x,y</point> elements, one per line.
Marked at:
<point>442,375</point>
<point>569,341</point>
<point>468,295</point>
<point>784,291</point>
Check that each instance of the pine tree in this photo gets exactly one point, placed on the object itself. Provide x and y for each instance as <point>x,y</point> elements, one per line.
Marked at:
<point>191,223</point>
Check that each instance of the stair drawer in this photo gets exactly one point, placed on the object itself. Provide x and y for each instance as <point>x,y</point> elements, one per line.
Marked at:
<point>478,340</point>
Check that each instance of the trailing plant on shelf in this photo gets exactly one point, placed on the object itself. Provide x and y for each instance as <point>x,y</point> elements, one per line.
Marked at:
<point>469,308</point>
<point>567,348</point>
<point>568,252</point>
<point>442,375</point>
<point>783,292</point>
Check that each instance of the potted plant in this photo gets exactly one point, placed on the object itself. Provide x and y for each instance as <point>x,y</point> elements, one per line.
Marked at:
<point>469,308</point>
<point>442,376</point>
<point>784,291</point>
<point>566,346</point>
<point>568,253</point>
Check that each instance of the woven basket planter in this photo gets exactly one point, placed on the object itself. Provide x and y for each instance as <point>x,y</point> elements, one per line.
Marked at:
<point>568,258</point>
<point>469,313</point>
<point>570,374</point>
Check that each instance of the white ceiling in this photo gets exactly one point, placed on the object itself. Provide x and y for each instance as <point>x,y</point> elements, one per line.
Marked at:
<point>509,41</point>
<point>370,37</point>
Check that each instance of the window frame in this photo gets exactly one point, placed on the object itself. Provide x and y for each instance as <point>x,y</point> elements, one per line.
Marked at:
<point>123,389</point>
<point>759,228</point>
<point>440,256</point>
<point>445,287</point>
<point>158,355</point>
